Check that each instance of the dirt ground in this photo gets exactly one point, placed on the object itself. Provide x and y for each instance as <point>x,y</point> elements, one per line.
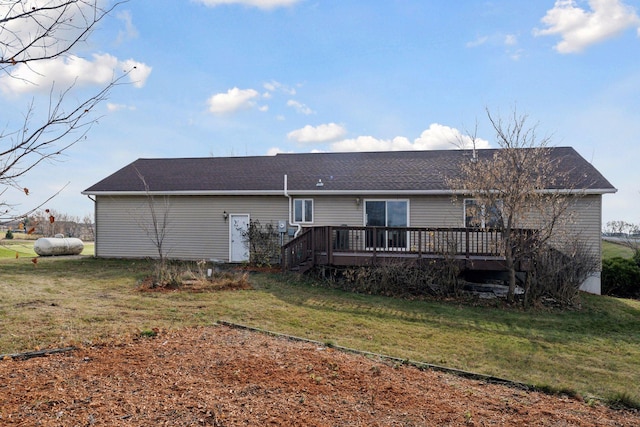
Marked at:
<point>222,376</point>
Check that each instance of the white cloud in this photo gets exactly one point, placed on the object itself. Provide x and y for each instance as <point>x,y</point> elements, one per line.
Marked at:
<point>119,107</point>
<point>276,150</point>
<point>437,137</point>
<point>441,137</point>
<point>580,28</point>
<point>233,100</point>
<point>261,4</point>
<point>511,40</point>
<point>274,86</point>
<point>478,42</point>
<point>130,31</point>
<point>322,133</point>
<point>65,68</point>
<point>369,143</point>
<point>72,70</point>
<point>516,54</point>
<point>299,107</point>
<point>138,72</point>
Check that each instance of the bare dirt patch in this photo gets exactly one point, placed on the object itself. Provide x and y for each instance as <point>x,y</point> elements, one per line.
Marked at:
<point>221,376</point>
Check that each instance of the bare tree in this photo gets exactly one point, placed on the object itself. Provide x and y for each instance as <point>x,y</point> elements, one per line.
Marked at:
<point>89,231</point>
<point>154,221</point>
<point>508,190</point>
<point>33,32</point>
<point>49,222</point>
<point>624,233</point>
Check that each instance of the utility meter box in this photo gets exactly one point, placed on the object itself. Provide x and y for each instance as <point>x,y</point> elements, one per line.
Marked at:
<point>282,226</point>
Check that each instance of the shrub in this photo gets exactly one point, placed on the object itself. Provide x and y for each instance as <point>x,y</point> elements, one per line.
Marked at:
<point>620,277</point>
<point>264,244</point>
<point>403,279</point>
<point>9,235</point>
<point>558,273</point>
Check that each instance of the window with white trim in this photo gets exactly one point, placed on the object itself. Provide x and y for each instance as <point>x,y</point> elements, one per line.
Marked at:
<point>386,213</point>
<point>303,210</point>
<point>480,215</point>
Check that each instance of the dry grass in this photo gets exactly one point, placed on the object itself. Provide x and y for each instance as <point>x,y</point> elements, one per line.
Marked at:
<point>594,351</point>
<point>59,302</point>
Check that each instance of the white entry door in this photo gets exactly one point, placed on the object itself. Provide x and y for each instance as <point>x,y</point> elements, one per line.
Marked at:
<point>238,244</point>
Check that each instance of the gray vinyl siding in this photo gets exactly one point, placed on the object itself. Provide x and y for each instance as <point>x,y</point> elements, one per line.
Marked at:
<point>585,222</point>
<point>338,210</point>
<point>435,211</point>
<point>424,211</point>
<point>196,228</point>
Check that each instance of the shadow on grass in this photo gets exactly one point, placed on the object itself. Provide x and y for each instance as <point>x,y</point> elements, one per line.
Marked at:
<point>599,316</point>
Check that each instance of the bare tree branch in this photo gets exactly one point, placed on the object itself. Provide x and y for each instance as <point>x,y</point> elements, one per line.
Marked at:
<point>30,147</point>
<point>157,229</point>
<point>36,33</point>
<point>33,32</point>
<point>10,218</point>
<point>513,183</point>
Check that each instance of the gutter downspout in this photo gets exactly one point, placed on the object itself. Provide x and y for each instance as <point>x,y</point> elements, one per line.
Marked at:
<point>286,194</point>
<point>95,224</point>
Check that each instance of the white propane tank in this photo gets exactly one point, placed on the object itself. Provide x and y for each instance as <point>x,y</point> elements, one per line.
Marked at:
<point>59,245</point>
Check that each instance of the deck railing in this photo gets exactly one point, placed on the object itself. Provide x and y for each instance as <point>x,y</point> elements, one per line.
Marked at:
<point>321,244</point>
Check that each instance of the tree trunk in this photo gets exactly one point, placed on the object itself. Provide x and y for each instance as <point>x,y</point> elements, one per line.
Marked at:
<point>511,267</point>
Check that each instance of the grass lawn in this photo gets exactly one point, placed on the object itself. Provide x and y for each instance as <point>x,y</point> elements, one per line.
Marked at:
<point>610,250</point>
<point>24,248</point>
<point>594,351</point>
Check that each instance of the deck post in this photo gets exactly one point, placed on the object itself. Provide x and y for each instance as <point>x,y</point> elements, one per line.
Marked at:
<point>466,245</point>
<point>375,244</point>
<point>312,247</point>
<point>328,244</point>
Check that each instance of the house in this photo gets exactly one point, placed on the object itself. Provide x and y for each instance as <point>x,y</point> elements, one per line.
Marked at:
<point>207,203</point>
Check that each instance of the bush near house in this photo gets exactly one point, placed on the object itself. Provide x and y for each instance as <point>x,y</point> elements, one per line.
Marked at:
<point>401,279</point>
<point>264,244</point>
<point>621,277</point>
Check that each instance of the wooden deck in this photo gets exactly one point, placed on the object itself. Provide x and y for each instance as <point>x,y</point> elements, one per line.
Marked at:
<point>472,248</point>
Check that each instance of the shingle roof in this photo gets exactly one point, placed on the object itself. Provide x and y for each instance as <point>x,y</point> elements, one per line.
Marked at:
<point>389,171</point>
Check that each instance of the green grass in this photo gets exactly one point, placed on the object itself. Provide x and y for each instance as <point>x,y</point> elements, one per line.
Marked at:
<point>24,248</point>
<point>594,351</point>
<point>610,250</point>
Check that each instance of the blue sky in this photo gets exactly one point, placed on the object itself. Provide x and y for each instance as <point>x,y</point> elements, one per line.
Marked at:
<point>255,77</point>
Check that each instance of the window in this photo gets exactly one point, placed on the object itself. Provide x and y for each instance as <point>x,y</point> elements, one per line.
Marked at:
<point>387,213</point>
<point>479,215</point>
<point>303,210</point>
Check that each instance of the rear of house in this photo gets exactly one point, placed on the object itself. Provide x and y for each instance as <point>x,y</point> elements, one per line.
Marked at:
<point>200,207</point>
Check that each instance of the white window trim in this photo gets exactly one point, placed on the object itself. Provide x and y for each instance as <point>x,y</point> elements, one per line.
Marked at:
<point>364,220</point>
<point>483,212</point>
<point>313,213</point>
<point>364,209</point>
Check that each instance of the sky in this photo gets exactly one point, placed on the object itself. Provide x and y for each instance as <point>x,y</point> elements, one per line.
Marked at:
<point>256,77</point>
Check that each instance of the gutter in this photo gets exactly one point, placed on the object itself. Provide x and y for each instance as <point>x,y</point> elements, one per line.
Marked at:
<point>350,192</point>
